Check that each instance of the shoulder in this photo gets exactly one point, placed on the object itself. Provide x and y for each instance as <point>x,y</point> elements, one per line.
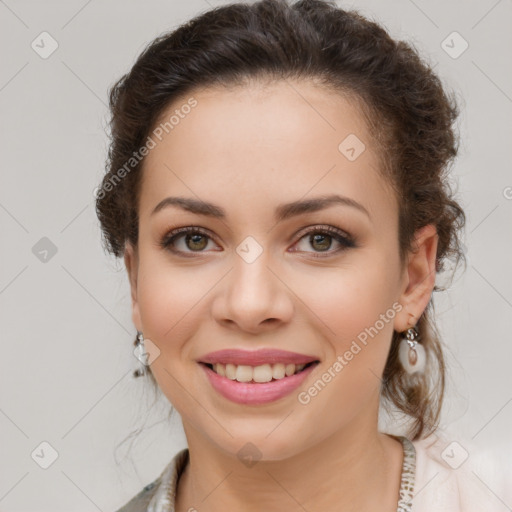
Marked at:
<point>452,476</point>
<point>140,502</point>
<point>161,489</point>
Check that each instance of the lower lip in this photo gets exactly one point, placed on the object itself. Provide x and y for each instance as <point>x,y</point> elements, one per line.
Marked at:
<point>255,393</point>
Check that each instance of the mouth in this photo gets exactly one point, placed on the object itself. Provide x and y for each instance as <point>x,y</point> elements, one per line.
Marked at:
<point>258,374</point>
<point>256,377</point>
<point>256,385</point>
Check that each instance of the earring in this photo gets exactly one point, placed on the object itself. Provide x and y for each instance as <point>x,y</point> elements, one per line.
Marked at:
<point>141,354</point>
<point>411,353</point>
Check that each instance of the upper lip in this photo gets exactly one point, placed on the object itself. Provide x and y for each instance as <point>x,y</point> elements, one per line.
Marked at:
<point>255,357</point>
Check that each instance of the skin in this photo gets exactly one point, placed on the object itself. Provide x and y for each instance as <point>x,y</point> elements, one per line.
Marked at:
<point>248,150</point>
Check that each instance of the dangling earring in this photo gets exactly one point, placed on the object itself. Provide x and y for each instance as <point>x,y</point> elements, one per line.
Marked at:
<point>411,353</point>
<point>141,355</point>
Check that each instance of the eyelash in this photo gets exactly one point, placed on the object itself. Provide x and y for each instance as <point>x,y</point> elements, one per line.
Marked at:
<point>346,241</point>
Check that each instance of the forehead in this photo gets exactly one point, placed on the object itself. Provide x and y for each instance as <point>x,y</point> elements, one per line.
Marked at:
<point>261,142</point>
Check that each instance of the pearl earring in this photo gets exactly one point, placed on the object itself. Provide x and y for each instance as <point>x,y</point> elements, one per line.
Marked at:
<point>412,354</point>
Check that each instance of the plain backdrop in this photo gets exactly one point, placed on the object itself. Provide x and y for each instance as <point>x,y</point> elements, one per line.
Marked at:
<point>67,395</point>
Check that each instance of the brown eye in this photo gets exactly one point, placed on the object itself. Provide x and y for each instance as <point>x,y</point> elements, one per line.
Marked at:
<point>186,240</point>
<point>191,239</point>
<point>321,239</point>
<point>197,241</point>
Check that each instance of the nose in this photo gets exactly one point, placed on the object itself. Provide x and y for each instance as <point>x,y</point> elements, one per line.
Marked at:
<point>253,297</point>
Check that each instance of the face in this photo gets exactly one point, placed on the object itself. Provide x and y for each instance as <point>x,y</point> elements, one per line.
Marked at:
<point>324,281</point>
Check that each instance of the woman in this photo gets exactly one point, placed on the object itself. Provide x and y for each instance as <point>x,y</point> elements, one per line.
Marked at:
<point>277,187</point>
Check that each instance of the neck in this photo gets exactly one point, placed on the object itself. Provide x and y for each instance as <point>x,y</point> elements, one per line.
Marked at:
<point>354,469</point>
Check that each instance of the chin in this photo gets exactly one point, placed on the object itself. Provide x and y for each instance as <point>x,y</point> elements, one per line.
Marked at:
<point>260,446</point>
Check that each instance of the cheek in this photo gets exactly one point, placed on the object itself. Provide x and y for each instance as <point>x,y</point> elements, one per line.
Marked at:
<point>169,303</point>
<point>350,298</point>
<point>354,312</point>
<point>169,299</point>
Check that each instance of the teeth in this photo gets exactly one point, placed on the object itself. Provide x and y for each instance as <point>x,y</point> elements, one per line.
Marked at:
<point>262,373</point>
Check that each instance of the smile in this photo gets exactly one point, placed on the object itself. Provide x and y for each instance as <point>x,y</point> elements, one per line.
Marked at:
<point>254,377</point>
<point>262,373</point>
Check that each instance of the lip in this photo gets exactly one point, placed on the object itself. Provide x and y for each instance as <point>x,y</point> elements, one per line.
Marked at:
<point>256,393</point>
<point>256,357</point>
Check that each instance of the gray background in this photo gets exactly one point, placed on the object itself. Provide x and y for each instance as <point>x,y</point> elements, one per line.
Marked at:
<point>66,321</point>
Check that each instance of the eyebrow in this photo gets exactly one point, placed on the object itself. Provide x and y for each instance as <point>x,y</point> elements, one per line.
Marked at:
<point>282,212</point>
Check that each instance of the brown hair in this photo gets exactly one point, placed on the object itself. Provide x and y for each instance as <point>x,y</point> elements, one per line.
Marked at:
<point>408,113</point>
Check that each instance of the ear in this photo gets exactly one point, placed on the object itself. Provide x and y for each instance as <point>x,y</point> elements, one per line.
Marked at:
<point>131,262</point>
<point>419,278</point>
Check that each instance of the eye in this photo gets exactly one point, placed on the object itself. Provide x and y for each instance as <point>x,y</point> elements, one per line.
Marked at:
<point>194,238</point>
<point>321,237</point>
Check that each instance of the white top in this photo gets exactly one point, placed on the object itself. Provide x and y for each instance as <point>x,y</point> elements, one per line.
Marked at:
<point>451,477</point>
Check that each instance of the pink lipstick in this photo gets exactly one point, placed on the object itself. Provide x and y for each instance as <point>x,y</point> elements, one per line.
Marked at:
<point>256,393</point>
